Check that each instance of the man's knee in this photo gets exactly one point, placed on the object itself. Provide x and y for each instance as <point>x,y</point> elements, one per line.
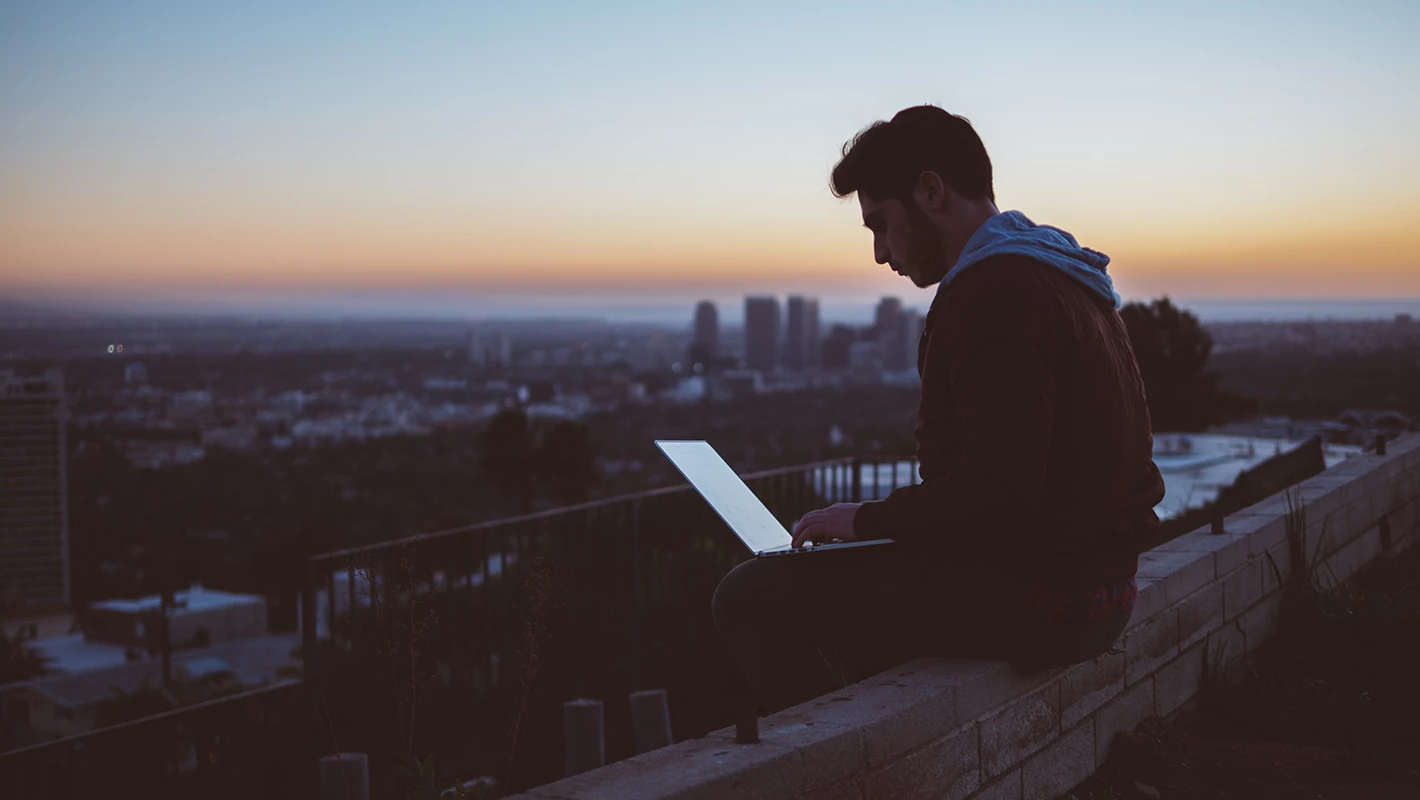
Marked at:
<point>742,593</point>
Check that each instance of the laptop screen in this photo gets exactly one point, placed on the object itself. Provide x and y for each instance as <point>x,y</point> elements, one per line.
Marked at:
<point>727,494</point>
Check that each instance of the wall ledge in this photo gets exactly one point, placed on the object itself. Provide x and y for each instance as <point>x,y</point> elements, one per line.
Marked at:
<point>969,728</point>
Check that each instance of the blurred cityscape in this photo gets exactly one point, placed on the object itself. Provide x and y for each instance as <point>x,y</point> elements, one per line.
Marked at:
<point>183,470</point>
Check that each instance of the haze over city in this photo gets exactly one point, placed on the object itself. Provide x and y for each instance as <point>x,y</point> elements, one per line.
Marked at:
<point>466,159</point>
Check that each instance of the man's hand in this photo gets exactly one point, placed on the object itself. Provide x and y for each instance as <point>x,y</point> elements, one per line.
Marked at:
<point>826,524</point>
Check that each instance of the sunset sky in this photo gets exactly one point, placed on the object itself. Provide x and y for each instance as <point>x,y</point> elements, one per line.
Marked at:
<point>185,151</point>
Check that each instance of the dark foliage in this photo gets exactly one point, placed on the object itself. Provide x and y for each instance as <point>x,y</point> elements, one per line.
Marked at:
<point>1172,349</point>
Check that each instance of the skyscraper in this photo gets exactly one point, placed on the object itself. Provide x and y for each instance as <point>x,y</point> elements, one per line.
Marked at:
<point>761,333</point>
<point>34,509</point>
<point>705,341</point>
<point>889,310</point>
<point>836,348</point>
<point>890,333</point>
<point>912,325</point>
<point>490,348</point>
<point>801,344</point>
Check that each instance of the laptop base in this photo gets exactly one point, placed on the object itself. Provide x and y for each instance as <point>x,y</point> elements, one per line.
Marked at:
<point>815,548</point>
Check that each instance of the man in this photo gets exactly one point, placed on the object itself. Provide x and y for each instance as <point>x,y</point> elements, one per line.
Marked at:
<point>1038,481</point>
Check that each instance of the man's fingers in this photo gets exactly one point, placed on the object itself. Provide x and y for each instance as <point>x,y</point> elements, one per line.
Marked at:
<point>808,519</point>
<point>804,531</point>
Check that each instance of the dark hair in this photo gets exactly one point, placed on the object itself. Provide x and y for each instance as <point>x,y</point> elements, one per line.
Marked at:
<point>885,159</point>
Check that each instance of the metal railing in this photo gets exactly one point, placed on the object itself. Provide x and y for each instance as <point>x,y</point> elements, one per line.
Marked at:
<point>465,642</point>
<point>258,743</point>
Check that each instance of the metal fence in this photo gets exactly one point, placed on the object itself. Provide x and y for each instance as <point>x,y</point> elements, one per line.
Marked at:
<point>258,743</point>
<point>465,642</point>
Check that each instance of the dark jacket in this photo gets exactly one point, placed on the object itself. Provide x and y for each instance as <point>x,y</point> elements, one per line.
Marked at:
<point>1032,432</point>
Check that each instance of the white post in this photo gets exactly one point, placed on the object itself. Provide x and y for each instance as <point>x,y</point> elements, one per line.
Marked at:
<point>583,745</point>
<point>650,719</point>
<point>345,776</point>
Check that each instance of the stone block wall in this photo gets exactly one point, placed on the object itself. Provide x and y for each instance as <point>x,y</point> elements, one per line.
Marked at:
<point>961,728</point>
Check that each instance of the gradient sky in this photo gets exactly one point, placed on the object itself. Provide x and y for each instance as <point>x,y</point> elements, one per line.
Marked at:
<point>615,150</point>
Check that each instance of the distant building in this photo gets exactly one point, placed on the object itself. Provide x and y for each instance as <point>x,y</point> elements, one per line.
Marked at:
<point>801,344</point>
<point>890,322</point>
<point>69,703</point>
<point>761,333</point>
<point>865,355</point>
<point>490,348</point>
<point>740,382</point>
<point>34,513</point>
<point>705,341</point>
<point>888,312</point>
<point>196,614</point>
<point>135,374</point>
<point>230,437</point>
<point>913,324</point>
<point>190,406</point>
<point>835,348</point>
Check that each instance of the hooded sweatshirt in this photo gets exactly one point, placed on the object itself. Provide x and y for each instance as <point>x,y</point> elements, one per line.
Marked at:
<point>1033,432</point>
<point>1012,233</point>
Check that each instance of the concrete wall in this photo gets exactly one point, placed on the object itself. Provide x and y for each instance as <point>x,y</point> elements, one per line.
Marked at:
<point>959,728</point>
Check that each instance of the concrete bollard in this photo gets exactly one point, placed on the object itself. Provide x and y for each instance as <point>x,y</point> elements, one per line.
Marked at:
<point>582,741</point>
<point>345,776</point>
<point>747,725</point>
<point>650,720</point>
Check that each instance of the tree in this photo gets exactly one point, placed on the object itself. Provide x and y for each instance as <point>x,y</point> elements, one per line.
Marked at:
<point>506,457</point>
<point>565,461</point>
<point>1172,349</point>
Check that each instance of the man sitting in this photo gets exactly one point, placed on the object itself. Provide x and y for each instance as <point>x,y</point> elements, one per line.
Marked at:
<point>1033,435</point>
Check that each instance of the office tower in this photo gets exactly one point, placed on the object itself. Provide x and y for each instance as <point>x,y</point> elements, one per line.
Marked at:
<point>837,346</point>
<point>801,343</point>
<point>490,348</point>
<point>762,333</point>
<point>888,312</point>
<point>912,325</point>
<point>34,514</point>
<point>705,341</point>
<point>890,333</point>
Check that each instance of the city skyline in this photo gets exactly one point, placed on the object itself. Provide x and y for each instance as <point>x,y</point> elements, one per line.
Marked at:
<point>283,155</point>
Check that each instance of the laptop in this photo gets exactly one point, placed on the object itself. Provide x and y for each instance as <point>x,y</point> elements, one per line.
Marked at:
<point>737,505</point>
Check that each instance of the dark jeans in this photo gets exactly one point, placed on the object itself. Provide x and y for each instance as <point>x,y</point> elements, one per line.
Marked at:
<point>803,625</point>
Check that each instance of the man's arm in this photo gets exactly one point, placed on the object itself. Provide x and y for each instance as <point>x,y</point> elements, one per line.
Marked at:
<point>993,358</point>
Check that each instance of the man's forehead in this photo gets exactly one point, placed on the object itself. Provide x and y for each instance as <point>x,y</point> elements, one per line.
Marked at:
<point>870,205</point>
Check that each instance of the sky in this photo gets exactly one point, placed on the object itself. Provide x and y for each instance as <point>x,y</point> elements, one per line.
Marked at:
<point>477,154</point>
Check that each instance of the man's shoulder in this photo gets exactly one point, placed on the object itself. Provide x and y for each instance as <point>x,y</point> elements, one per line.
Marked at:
<point>1002,284</point>
<point>1005,272</point>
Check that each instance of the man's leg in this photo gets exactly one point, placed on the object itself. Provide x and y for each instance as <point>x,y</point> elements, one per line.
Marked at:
<point>801,626</point>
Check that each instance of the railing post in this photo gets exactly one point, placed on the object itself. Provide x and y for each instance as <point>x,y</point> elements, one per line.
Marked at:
<point>308,623</point>
<point>747,724</point>
<point>583,745</point>
<point>636,654</point>
<point>857,479</point>
<point>345,776</point>
<point>650,720</point>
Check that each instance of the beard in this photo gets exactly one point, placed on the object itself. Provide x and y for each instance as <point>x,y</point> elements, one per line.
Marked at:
<point>926,258</point>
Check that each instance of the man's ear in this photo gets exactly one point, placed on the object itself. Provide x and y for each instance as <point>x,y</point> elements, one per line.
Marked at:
<point>931,192</point>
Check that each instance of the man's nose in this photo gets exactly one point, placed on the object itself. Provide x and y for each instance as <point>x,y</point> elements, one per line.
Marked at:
<point>882,255</point>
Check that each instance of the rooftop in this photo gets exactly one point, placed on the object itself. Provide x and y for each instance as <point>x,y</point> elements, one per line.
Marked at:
<point>193,600</point>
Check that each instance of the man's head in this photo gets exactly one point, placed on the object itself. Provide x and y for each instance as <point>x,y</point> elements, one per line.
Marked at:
<point>924,183</point>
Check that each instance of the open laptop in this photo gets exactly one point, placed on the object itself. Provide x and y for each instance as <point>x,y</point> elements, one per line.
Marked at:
<point>737,505</point>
